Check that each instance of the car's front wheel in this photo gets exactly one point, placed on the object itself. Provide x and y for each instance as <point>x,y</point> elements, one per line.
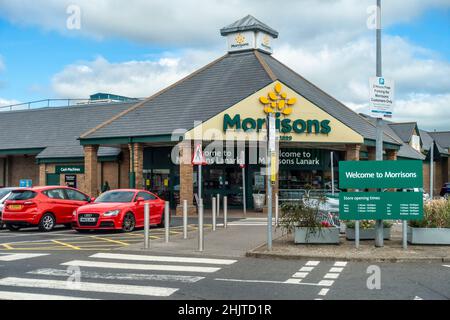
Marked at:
<point>129,222</point>
<point>47,222</point>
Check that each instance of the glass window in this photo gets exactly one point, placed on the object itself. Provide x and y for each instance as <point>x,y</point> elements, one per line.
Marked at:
<point>115,196</point>
<point>75,195</point>
<point>55,194</point>
<point>22,195</point>
<point>146,196</point>
<point>3,193</point>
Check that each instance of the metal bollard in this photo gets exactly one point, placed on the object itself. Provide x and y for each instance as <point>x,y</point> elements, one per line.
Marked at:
<point>276,209</point>
<point>218,204</point>
<point>200,226</point>
<point>214,213</point>
<point>225,212</point>
<point>167,220</point>
<point>146,225</point>
<point>185,218</point>
<point>405,234</point>
<point>357,234</point>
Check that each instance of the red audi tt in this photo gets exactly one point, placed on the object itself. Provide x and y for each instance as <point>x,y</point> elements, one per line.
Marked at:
<point>121,209</point>
<point>44,207</point>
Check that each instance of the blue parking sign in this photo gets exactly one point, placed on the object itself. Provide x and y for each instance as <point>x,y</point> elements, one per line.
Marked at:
<point>25,183</point>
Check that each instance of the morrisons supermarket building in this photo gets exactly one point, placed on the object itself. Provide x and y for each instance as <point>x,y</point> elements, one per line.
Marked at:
<point>131,143</point>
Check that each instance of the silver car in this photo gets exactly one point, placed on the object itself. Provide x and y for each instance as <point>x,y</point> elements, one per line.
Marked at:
<point>4,194</point>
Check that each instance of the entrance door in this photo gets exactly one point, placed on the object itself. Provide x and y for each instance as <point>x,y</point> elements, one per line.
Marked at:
<point>158,182</point>
<point>52,179</point>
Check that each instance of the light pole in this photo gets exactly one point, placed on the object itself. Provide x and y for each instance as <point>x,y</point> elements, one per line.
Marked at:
<point>379,239</point>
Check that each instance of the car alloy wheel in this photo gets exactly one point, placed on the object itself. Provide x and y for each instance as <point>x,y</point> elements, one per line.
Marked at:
<point>47,223</point>
<point>128,223</point>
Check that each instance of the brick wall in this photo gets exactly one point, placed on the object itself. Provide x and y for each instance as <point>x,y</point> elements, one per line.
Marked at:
<point>111,174</point>
<point>125,168</point>
<point>91,170</point>
<point>2,170</point>
<point>186,179</point>
<point>22,167</point>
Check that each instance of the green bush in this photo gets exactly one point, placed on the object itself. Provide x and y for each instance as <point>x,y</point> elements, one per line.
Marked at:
<point>436,214</point>
<point>367,224</point>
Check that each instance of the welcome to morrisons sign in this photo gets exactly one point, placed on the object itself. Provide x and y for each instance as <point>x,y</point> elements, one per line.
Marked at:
<point>283,125</point>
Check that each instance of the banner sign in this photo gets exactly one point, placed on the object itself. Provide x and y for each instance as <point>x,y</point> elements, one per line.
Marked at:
<point>381,97</point>
<point>69,169</point>
<point>381,206</point>
<point>380,174</point>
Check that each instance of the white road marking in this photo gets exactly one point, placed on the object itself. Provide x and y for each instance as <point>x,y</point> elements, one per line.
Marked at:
<point>289,281</point>
<point>336,270</point>
<point>21,256</point>
<point>132,257</point>
<point>323,292</point>
<point>312,263</point>
<point>306,269</point>
<point>292,280</point>
<point>445,265</point>
<point>88,287</point>
<point>326,283</point>
<point>9,295</point>
<point>119,276</point>
<point>331,276</point>
<point>300,275</point>
<point>130,266</point>
<point>340,263</point>
<point>418,298</point>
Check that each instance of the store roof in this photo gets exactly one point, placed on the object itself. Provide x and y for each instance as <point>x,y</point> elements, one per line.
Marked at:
<point>217,87</point>
<point>248,23</point>
<point>56,129</point>
<point>55,152</point>
<point>442,138</point>
<point>404,130</point>
<point>439,139</point>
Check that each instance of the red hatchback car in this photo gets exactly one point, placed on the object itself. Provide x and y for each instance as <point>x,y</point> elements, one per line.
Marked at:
<point>121,209</point>
<point>44,207</point>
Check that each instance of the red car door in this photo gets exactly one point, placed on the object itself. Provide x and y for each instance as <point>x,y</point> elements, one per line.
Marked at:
<point>74,200</point>
<point>57,204</point>
<point>156,207</point>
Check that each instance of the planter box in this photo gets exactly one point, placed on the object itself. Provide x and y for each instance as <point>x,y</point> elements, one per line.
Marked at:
<point>429,235</point>
<point>324,236</point>
<point>367,234</point>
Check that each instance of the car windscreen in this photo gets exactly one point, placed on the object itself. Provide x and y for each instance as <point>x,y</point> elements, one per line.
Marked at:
<point>115,196</point>
<point>22,195</point>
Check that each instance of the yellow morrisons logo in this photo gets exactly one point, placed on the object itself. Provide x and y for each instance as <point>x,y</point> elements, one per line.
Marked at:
<point>240,39</point>
<point>278,101</point>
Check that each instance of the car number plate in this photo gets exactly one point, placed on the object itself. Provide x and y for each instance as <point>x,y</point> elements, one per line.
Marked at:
<point>15,206</point>
<point>88,219</point>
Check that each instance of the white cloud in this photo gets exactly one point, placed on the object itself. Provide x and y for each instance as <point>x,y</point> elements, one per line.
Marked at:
<point>130,78</point>
<point>7,102</point>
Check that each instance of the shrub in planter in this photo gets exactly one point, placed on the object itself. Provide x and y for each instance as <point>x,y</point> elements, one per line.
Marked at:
<point>367,230</point>
<point>306,221</point>
<point>434,228</point>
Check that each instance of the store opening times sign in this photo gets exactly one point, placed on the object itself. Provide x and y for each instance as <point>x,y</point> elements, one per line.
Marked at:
<point>381,206</point>
<point>380,174</point>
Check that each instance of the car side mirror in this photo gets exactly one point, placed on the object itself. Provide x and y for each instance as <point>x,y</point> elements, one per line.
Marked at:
<point>92,199</point>
<point>140,200</point>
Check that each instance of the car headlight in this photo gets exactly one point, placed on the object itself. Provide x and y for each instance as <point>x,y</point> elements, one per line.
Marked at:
<point>112,213</point>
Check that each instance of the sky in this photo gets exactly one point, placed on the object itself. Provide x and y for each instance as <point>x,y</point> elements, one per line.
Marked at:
<point>137,47</point>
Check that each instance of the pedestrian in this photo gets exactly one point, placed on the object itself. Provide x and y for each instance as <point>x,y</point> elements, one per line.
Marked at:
<point>105,187</point>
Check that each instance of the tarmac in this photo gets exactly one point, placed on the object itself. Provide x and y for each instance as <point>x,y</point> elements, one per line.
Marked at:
<point>248,237</point>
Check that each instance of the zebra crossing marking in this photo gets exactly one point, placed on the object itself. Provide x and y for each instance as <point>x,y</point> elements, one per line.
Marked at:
<point>20,256</point>
<point>88,287</point>
<point>132,257</point>
<point>118,276</point>
<point>133,266</point>
<point>9,295</point>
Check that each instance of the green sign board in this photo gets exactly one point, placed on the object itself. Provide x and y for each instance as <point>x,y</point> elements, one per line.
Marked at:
<point>381,206</point>
<point>69,169</point>
<point>380,174</point>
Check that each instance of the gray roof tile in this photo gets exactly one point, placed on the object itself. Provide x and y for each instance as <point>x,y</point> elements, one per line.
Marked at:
<point>248,23</point>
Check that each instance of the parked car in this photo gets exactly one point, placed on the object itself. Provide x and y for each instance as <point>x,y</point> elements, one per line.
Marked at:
<point>4,194</point>
<point>44,207</point>
<point>121,209</point>
<point>445,190</point>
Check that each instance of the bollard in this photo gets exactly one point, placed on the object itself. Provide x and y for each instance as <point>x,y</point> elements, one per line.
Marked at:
<point>225,212</point>
<point>405,234</point>
<point>214,214</point>
<point>185,218</point>
<point>200,225</point>
<point>146,225</point>
<point>276,209</point>
<point>218,205</point>
<point>167,220</point>
<point>357,234</point>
